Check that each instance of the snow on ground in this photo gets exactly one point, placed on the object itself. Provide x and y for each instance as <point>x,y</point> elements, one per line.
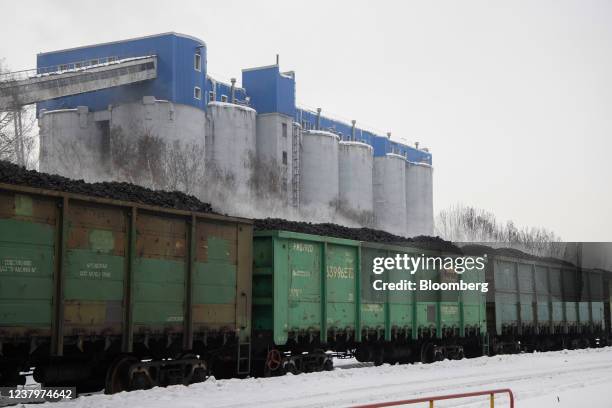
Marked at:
<point>564,379</point>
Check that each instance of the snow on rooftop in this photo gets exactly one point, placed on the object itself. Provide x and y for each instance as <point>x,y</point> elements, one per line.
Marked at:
<point>231,105</point>
<point>85,67</point>
<point>355,143</point>
<point>322,133</point>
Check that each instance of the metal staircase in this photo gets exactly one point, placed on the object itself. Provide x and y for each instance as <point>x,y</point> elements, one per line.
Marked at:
<point>486,345</point>
<point>244,359</point>
<point>295,164</point>
<point>27,87</point>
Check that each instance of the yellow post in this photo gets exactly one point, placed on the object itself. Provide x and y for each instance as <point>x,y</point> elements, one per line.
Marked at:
<point>492,400</point>
<point>431,404</point>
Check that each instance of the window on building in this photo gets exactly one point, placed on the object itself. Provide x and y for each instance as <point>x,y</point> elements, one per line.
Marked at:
<point>93,62</point>
<point>63,67</point>
<point>223,98</point>
<point>211,96</point>
<point>284,130</point>
<point>197,93</point>
<point>284,157</point>
<point>197,62</point>
<point>78,65</point>
<point>111,59</point>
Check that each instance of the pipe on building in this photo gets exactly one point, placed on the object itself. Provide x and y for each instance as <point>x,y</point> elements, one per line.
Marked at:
<point>353,130</point>
<point>318,118</point>
<point>233,90</point>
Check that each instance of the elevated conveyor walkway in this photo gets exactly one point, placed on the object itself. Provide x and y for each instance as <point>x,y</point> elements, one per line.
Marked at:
<point>27,87</point>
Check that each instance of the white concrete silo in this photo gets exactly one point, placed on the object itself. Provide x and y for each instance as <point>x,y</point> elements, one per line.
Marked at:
<point>158,144</point>
<point>356,164</point>
<point>231,146</point>
<point>319,169</point>
<point>419,199</point>
<point>390,193</point>
<point>159,118</point>
<point>276,164</point>
<point>72,144</point>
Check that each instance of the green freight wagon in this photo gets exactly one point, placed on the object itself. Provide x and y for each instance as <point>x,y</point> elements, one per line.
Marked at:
<point>421,324</point>
<point>537,304</point>
<point>305,291</point>
<point>90,287</point>
<point>314,293</point>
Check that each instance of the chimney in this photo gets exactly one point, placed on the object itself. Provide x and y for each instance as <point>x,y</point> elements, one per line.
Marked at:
<point>388,135</point>
<point>353,130</point>
<point>233,91</point>
<point>416,145</point>
<point>318,118</point>
<point>277,60</point>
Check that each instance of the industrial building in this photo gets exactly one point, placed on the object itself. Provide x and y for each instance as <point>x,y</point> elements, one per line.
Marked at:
<point>253,146</point>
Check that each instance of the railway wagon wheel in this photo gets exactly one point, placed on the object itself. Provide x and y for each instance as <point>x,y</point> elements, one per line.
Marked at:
<point>430,353</point>
<point>318,363</point>
<point>118,375</point>
<point>328,365</point>
<point>193,373</point>
<point>291,367</point>
<point>378,356</point>
<point>274,362</point>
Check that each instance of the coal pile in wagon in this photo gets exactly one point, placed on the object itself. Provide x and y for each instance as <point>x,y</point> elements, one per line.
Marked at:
<point>357,234</point>
<point>13,174</point>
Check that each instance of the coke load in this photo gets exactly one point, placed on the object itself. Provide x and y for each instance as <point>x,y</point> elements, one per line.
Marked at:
<point>16,175</point>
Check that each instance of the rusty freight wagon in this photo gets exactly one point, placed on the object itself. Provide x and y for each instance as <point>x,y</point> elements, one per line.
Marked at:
<point>100,293</point>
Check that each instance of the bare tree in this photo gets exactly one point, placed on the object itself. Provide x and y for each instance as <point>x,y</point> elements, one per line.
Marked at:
<point>137,158</point>
<point>18,133</point>
<point>144,158</point>
<point>184,167</point>
<point>468,224</point>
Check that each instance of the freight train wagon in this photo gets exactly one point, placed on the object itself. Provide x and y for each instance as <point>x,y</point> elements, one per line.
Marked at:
<point>90,288</point>
<point>543,304</point>
<point>313,293</point>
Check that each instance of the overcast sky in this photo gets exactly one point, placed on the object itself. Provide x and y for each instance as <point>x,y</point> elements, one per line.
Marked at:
<point>514,99</point>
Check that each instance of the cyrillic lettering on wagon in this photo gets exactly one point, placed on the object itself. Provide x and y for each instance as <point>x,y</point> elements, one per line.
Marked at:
<point>339,272</point>
<point>17,266</point>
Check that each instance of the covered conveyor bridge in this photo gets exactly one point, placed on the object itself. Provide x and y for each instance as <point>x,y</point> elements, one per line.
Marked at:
<point>42,84</point>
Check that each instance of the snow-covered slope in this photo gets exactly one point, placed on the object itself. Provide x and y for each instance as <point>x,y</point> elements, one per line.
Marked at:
<point>581,378</point>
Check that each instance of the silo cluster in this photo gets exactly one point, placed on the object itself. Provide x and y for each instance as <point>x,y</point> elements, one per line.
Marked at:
<point>314,171</point>
<point>248,149</point>
<point>388,192</point>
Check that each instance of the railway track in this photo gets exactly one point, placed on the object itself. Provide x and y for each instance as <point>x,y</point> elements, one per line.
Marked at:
<point>529,375</point>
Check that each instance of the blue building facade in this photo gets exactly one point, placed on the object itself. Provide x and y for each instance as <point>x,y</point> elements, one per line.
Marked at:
<point>182,78</point>
<point>176,74</point>
<point>382,144</point>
